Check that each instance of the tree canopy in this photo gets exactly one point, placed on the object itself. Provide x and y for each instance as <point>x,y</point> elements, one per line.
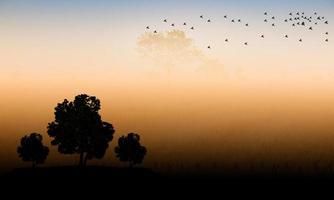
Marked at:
<point>32,149</point>
<point>130,150</point>
<point>79,129</point>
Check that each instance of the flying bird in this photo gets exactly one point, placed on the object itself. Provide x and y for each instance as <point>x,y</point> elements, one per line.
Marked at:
<point>225,16</point>
<point>286,36</point>
<point>326,40</point>
<point>239,20</point>
<point>246,24</point>
<point>311,28</point>
<point>326,33</point>
<point>286,20</point>
<point>300,40</point>
<point>226,40</point>
<point>209,47</point>
<point>303,23</point>
<point>262,36</point>
<point>209,20</point>
<point>265,13</point>
<point>172,24</point>
<point>232,20</point>
<point>192,28</point>
<point>273,24</point>
<point>184,24</point>
<point>315,13</point>
<point>201,16</point>
<point>246,43</point>
<point>326,22</point>
<point>165,20</point>
<point>273,17</point>
<point>155,31</point>
<point>265,20</point>
<point>147,27</point>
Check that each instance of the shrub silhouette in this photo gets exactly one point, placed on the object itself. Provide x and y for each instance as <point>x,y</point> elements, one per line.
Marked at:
<point>78,128</point>
<point>32,149</point>
<point>129,149</point>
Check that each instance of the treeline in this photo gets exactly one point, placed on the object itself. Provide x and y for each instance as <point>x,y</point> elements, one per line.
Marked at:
<point>79,129</point>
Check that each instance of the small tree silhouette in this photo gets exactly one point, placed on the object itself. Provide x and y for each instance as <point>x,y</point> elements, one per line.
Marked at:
<point>32,149</point>
<point>78,128</point>
<point>130,150</point>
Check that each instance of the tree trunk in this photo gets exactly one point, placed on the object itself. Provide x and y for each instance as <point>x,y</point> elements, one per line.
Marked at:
<point>81,163</point>
<point>85,161</point>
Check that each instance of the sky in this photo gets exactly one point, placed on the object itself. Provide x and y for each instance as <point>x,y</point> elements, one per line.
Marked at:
<point>168,86</point>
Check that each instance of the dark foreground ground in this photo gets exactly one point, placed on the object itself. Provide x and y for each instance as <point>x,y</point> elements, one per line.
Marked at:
<point>142,181</point>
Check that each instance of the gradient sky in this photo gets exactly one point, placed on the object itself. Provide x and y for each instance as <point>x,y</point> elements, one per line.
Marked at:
<point>51,50</point>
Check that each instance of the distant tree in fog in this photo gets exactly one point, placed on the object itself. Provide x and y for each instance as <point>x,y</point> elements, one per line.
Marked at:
<point>130,150</point>
<point>31,149</point>
<point>78,128</point>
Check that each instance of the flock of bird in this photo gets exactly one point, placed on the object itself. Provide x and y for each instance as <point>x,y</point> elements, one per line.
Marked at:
<point>293,19</point>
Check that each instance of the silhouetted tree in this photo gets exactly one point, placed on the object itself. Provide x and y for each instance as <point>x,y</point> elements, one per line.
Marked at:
<point>130,150</point>
<point>32,149</point>
<point>78,128</point>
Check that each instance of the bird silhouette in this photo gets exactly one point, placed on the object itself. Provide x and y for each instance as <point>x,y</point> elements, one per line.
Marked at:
<point>262,36</point>
<point>319,18</point>
<point>293,25</point>
<point>209,20</point>
<point>225,16</point>
<point>192,28</point>
<point>290,14</point>
<point>232,20</point>
<point>265,13</point>
<point>165,20</point>
<point>303,23</point>
<point>326,33</point>
<point>273,17</point>
<point>286,36</point>
<point>184,24</point>
<point>311,28</point>
<point>316,23</point>
<point>246,43</point>
<point>239,20</point>
<point>315,13</point>
<point>172,24</point>
<point>298,23</point>
<point>209,47</point>
<point>226,40</point>
<point>326,40</point>
<point>147,27</point>
<point>286,20</point>
<point>201,16</point>
<point>290,19</point>
<point>326,22</point>
<point>246,24</point>
<point>297,13</point>
<point>300,40</point>
<point>155,31</point>
<point>273,25</point>
<point>265,20</point>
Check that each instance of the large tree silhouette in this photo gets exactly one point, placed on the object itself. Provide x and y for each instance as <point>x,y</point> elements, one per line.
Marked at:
<point>32,149</point>
<point>78,128</point>
<point>130,150</point>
